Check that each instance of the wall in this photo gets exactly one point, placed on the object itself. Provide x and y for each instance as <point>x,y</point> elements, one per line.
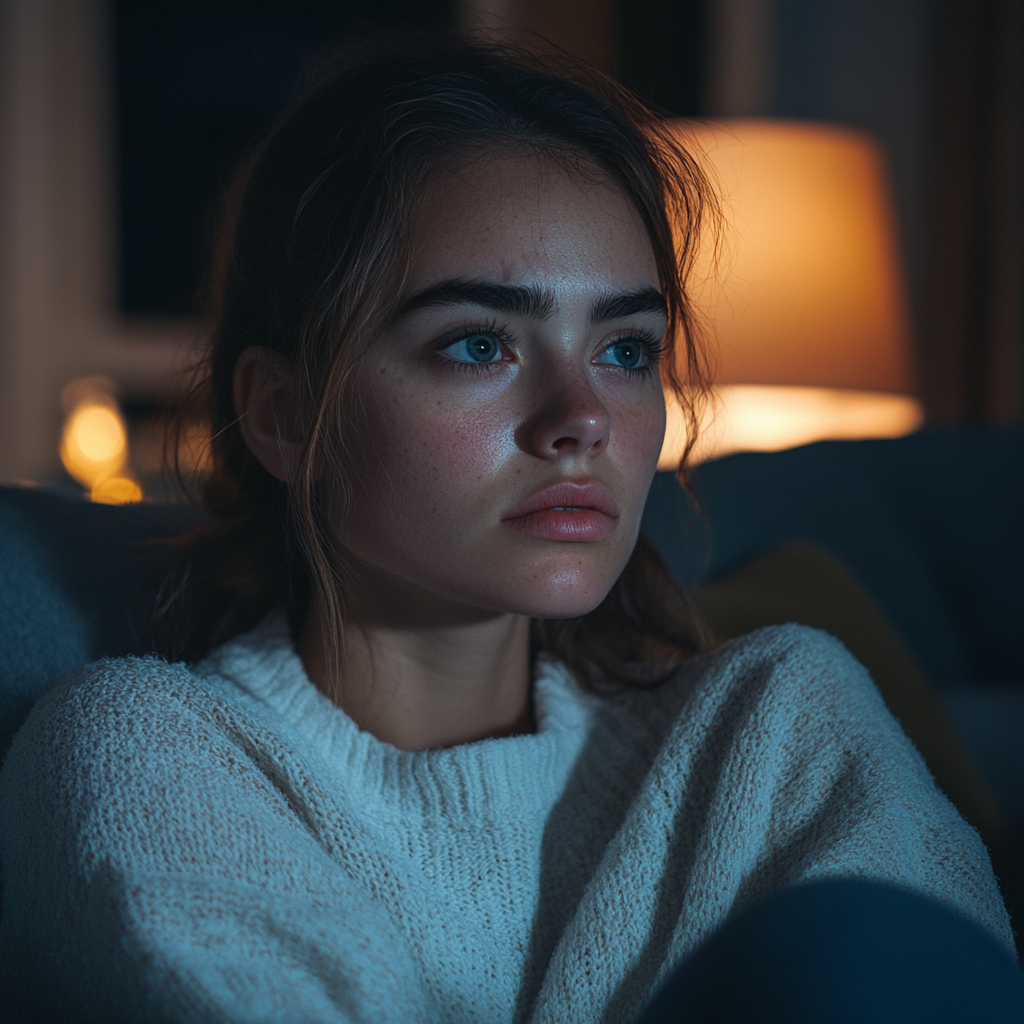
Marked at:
<point>864,63</point>
<point>56,245</point>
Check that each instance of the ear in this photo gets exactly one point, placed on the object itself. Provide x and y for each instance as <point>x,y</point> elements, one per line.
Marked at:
<point>265,405</point>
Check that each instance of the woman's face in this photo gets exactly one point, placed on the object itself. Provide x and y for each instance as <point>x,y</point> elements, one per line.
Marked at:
<point>514,413</point>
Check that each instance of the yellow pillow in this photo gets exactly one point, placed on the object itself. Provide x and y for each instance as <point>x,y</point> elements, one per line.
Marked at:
<point>802,582</point>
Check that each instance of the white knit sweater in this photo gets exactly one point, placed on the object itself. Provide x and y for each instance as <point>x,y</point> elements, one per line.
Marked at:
<point>223,844</point>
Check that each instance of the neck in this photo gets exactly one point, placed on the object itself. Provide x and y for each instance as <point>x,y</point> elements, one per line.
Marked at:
<point>425,682</point>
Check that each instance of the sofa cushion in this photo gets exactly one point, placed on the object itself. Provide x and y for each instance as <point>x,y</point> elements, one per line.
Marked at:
<point>931,524</point>
<point>76,581</point>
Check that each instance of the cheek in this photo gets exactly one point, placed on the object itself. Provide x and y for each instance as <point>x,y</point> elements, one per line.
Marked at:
<point>432,466</point>
<point>444,444</point>
<point>638,432</point>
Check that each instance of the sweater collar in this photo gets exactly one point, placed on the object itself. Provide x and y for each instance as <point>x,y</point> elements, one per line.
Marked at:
<point>490,779</point>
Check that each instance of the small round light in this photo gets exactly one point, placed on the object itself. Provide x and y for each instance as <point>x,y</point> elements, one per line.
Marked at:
<point>94,444</point>
<point>98,434</point>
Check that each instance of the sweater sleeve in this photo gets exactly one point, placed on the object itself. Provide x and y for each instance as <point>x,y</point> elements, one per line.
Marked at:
<point>159,864</point>
<point>769,763</point>
<point>812,777</point>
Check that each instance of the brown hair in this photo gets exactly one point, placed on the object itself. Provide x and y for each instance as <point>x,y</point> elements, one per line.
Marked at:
<point>309,264</point>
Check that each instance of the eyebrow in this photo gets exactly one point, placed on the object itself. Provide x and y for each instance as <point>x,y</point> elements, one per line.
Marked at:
<point>623,304</point>
<point>530,301</point>
<point>516,300</point>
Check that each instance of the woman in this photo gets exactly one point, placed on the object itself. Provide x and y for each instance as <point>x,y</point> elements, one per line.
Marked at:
<point>443,745</point>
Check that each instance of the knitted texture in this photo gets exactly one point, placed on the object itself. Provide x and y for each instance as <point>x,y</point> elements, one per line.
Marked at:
<point>223,844</point>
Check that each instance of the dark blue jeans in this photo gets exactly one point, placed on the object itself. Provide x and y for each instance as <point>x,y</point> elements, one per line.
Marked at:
<point>845,951</point>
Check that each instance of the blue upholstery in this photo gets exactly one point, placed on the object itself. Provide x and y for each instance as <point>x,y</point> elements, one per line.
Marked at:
<point>932,524</point>
<point>76,579</point>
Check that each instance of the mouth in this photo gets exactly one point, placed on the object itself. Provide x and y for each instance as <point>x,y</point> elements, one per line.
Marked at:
<point>567,511</point>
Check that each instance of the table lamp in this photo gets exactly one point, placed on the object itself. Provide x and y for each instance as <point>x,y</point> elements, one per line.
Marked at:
<point>804,295</point>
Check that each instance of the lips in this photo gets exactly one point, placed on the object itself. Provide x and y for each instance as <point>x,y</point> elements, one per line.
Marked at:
<point>567,511</point>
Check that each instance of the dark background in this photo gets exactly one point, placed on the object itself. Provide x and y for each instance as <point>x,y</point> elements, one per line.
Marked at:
<point>939,82</point>
<point>196,81</point>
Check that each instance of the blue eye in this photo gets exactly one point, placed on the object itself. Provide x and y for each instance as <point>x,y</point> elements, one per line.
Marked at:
<point>628,353</point>
<point>475,348</point>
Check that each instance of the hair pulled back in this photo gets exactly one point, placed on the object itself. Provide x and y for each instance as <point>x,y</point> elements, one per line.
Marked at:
<point>310,264</point>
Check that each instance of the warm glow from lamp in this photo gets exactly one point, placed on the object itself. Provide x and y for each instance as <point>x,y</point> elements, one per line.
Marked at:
<point>94,442</point>
<point>804,295</point>
<point>771,418</point>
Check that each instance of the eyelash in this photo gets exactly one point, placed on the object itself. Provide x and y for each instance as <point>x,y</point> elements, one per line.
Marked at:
<point>652,345</point>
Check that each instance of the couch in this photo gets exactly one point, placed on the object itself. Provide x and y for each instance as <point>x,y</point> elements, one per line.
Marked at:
<point>910,550</point>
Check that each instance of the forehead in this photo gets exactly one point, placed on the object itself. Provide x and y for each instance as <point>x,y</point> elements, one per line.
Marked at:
<point>521,216</point>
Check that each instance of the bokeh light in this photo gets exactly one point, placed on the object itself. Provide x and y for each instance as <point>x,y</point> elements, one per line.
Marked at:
<point>94,442</point>
<point>116,490</point>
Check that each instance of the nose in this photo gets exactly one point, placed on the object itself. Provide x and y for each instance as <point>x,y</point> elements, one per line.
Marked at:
<point>566,418</point>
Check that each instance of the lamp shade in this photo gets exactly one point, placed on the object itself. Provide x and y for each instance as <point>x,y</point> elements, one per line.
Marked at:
<point>804,287</point>
<point>807,288</point>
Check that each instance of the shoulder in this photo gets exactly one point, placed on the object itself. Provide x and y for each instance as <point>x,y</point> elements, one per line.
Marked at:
<point>125,733</point>
<point>779,677</point>
<point>116,718</point>
<point>786,721</point>
<point>138,765</point>
<point>791,671</point>
<point>790,767</point>
<point>794,697</point>
<point>155,826</point>
<point>131,696</point>
<point>115,702</point>
<point>781,708</point>
<point>792,656</point>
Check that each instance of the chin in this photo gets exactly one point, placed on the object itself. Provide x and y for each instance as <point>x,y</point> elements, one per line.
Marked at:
<point>563,593</point>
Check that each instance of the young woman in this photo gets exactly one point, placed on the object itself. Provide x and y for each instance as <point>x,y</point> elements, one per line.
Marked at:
<point>436,740</point>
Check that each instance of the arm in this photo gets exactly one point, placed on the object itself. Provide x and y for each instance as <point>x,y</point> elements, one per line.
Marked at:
<point>160,862</point>
<point>833,787</point>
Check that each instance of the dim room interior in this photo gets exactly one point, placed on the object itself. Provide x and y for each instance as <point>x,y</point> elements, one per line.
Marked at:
<point>860,466</point>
